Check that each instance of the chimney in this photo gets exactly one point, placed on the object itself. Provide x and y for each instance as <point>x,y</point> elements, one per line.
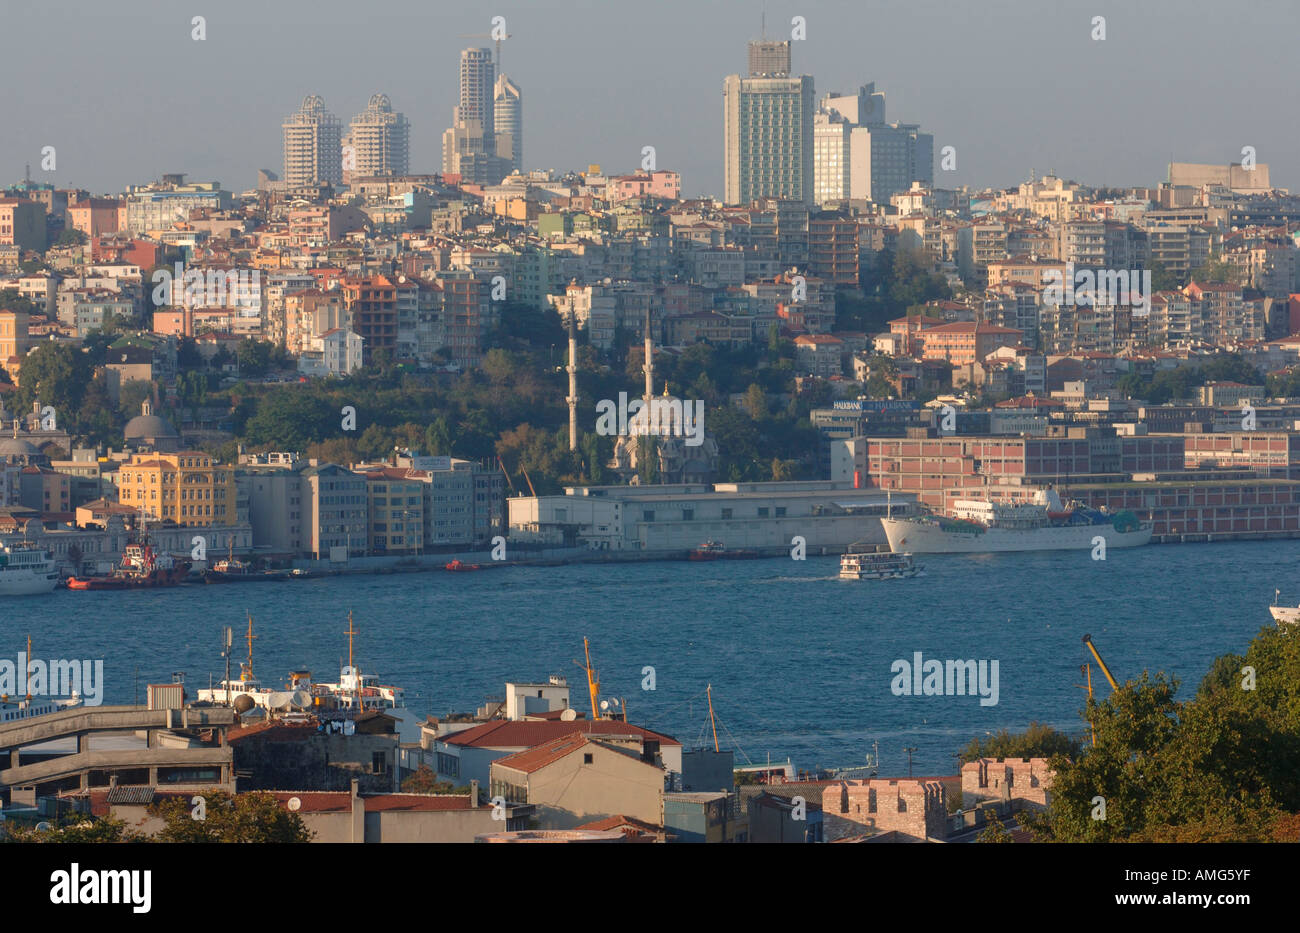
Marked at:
<point>358,813</point>
<point>473,793</point>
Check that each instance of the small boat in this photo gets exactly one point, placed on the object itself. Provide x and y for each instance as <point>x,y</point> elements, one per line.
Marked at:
<point>859,563</point>
<point>26,570</point>
<point>1283,614</point>
<point>714,550</point>
<point>457,565</point>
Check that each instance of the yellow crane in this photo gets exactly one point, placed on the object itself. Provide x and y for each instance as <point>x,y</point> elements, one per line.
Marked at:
<point>593,689</point>
<point>1086,669</point>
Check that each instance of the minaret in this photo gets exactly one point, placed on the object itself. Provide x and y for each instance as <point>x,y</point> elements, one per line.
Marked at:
<point>649,366</point>
<point>573,385</point>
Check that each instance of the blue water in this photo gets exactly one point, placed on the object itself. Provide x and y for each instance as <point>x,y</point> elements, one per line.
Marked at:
<point>798,659</point>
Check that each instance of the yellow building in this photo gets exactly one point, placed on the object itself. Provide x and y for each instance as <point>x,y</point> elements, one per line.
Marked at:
<point>188,487</point>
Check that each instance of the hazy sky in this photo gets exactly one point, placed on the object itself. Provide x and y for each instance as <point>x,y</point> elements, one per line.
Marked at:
<point>124,94</point>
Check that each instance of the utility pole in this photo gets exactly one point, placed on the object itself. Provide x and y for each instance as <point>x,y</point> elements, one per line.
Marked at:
<point>909,751</point>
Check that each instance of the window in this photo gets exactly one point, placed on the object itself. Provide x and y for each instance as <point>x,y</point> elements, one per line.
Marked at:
<point>378,761</point>
<point>586,758</point>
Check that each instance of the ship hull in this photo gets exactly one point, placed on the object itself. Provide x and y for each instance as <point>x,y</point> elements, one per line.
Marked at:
<point>23,583</point>
<point>172,577</point>
<point>926,538</point>
<point>1283,615</point>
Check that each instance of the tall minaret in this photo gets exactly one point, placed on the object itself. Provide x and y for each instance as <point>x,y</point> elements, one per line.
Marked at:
<point>649,365</point>
<point>572,398</point>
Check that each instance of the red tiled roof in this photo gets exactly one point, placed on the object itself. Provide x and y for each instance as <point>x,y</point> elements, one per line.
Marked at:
<point>534,759</point>
<point>619,821</point>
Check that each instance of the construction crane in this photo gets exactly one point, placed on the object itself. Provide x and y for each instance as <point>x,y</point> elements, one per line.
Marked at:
<point>593,689</point>
<point>488,35</point>
<point>1086,670</point>
<point>1087,640</point>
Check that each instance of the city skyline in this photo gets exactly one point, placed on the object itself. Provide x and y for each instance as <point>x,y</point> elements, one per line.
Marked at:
<point>575,119</point>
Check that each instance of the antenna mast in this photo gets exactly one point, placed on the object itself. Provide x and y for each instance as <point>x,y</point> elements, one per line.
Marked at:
<point>712,720</point>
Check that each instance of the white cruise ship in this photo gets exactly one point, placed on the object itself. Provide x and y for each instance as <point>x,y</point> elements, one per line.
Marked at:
<point>26,570</point>
<point>977,526</point>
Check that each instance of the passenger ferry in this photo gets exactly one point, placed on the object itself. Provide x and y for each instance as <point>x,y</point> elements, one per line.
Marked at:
<point>859,563</point>
<point>26,570</point>
<point>354,694</point>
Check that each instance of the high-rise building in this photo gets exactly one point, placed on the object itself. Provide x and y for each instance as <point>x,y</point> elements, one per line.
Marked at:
<point>477,74</point>
<point>857,155</point>
<point>768,138</point>
<point>469,145</point>
<point>313,139</point>
<point>380,140</point>
<point>769,58</point>
<point>508,114</point>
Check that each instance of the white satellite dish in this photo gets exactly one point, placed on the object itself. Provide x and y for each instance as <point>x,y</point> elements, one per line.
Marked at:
<point>42,827</point>
<point>279,700</point>
<point>294,803</point>
<point>604,704</point>
<point>568,715</point>
<point>301,699</point>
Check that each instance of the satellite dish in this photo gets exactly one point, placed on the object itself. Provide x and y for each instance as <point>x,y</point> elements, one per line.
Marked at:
<point>279,700</point>
<point>301,699</point>
<point>568,715</point>
<point>243,703</point>
<point>604,704</point>
<point>349,727</point>
<point>294,803</point>
<point>42,827</point>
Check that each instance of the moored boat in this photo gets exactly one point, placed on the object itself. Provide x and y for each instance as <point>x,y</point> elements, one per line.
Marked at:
<point>978,526</point>
<point>714,550</point>
<point>141,567</point>
<point>26,570</point>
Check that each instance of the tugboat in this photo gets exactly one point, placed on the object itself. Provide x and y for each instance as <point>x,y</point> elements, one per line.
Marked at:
<point>141,567</point>
<point>233,570</point>
<point>864,562</point>
<point>459,566</point>
<point>713,550</point>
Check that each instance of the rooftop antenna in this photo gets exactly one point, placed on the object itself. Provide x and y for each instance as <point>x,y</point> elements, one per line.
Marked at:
<point>350,632</point>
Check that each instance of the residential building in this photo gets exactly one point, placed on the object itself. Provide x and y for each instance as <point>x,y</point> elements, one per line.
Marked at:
<point>313,145</point>
<point>379,140</point>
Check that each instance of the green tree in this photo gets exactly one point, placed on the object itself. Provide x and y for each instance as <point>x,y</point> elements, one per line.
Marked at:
<point>57,374</point>
<point>1037,741</point>
<point>88,830</point>
<point>250,817</point>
